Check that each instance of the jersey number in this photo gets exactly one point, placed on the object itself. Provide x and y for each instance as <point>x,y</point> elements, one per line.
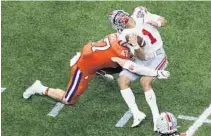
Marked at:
<point>147,33</point>
<point>102,48</point>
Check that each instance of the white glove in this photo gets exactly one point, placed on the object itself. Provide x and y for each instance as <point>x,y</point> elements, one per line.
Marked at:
<point>163,74</point>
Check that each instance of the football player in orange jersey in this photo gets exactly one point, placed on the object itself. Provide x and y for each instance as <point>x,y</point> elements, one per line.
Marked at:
<point>93,57</point>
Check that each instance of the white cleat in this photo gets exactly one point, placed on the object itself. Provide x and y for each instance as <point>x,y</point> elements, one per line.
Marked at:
<point>36,88</point>
<point>138,120</point>
<point>109,77</point>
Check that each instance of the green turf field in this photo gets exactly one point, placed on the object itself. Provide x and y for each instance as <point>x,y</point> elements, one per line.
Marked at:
<point>38,39</point>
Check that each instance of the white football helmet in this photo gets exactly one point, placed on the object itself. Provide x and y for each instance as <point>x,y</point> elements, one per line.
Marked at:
<point>167,124</point>
<point>118,19</point>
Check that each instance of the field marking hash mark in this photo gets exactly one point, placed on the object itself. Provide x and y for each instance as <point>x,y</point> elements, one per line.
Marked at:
<point>56,109</point>
<point>124,119</point>
<point>3,89</point>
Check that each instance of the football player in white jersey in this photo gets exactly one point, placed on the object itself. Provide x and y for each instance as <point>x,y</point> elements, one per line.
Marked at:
<point>143,24</point>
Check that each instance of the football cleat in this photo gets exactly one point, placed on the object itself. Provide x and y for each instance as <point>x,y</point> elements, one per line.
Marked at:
<point>137,120</point>
<point>109,76</point>
<point>105,75</point>
<point>36,88</point>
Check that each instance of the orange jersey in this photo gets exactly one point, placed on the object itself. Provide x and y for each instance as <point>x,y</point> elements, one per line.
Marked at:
<point>97,55</point>
<point>94,56</point>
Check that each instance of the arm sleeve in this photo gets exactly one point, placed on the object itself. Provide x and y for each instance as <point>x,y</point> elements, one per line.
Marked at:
<point>139,69</point>
<point>149,16</point>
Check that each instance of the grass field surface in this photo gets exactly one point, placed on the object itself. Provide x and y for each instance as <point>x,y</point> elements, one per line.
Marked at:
<point>39,38</point>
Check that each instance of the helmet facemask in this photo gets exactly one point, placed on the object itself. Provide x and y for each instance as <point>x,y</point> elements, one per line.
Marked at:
<point>119,19</point>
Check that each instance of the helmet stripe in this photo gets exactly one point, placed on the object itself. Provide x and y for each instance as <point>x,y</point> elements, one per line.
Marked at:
<point>169,120</point>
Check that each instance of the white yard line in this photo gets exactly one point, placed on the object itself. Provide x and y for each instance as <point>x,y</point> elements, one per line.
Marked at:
<point>56,109</point>
<point>125,118</point>
<point>3,89</point>
<point>199,122</point>
<point>182,117</point>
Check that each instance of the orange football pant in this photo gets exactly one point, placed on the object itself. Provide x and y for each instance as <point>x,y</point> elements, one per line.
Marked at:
<point>78,83</point>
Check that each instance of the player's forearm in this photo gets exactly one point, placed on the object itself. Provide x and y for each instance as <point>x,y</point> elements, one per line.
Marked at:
<point>139,53</point>
<point>133,67</point>
<point>139,69</point>
<point>156,20</point>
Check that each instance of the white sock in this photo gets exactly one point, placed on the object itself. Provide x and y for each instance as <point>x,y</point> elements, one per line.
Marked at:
<point>129,98</point>
<point>151,100</point>
<point>43,88</point>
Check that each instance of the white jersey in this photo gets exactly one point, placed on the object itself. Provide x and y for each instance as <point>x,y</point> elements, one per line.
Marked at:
<point>149,33</point>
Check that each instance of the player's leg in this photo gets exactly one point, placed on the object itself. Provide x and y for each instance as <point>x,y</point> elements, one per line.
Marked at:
<point>77,86</point>
<point>150,97</point>
<point>55,93</point>
<point>157,63</point>
<point>39,88</point>
<point>123,81</point>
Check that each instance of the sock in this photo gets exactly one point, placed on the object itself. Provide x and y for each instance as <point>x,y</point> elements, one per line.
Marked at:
<point>43,89</point>
<point>151,100</point>
<point>46,92</point>
<point>129,98</point>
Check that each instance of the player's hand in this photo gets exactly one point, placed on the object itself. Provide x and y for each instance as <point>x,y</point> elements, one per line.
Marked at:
<point>163,74</point>
<point>132,39</point>
<point>153,23</point>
